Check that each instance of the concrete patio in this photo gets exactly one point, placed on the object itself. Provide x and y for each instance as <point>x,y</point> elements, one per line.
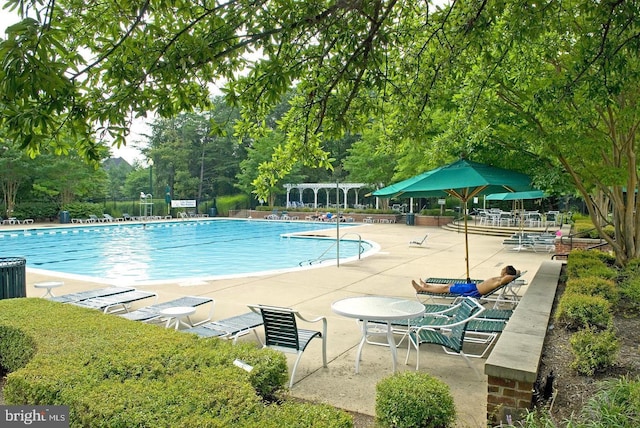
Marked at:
<point>388,273</point>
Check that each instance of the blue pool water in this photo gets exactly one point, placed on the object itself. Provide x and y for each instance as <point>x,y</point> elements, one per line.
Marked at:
<point>176,250</point>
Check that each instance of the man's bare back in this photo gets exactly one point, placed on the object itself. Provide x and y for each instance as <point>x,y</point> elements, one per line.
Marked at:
<point>508,274</point>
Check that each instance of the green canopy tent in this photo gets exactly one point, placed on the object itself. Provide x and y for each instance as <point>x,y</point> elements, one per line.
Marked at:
<point>463,180</point>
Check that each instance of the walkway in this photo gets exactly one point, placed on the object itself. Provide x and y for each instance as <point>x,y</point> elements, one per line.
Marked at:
<point>387,273</point>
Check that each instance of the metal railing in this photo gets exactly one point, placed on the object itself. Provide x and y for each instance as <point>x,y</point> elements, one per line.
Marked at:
<point>580,234</point>
<point>321,258</point>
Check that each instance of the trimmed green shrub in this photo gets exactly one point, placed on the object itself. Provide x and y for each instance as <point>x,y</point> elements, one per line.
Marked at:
<point>594,286</point>
<point>414,399</point>
<point>303,415</point>
<point>632,269</point>
<point>226,203</point>
<point>113,372</point>
<point>593,351</point>
<point>583,263</point>
<point>16,348</point>
<point>83,209</point>
<point>579,311</point>
<point>36,210</point>
<point>616,404</point>
<point>630,293</point>
<point>436,212</point>
<point>586,228</point>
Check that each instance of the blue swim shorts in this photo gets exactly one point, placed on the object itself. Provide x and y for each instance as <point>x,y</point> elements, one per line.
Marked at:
<point>465,289</point>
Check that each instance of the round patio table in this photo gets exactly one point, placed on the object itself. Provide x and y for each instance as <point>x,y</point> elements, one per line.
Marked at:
<point>48,285</point>
<point>177,313</point>
<point>378,308</point>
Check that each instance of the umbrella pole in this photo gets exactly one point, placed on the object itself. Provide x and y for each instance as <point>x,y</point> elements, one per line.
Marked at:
<point>466,241</point>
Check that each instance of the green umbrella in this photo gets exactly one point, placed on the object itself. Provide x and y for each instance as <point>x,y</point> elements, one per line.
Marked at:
<point>514,196</point>
<point>463,180</point>
<point>396,189</point>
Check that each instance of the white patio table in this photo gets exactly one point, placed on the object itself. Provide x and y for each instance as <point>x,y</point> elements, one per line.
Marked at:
<point>378,308</point>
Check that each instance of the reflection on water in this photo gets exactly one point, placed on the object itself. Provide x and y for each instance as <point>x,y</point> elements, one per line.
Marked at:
<point>173,250</point>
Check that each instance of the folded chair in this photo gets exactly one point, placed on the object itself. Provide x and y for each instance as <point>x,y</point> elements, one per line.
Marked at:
<point>152,312</point>
<point>282,333</point>
<point>448,331</point>
<point>230,328</point>
<point>84,295</point>
<point>116,302</point>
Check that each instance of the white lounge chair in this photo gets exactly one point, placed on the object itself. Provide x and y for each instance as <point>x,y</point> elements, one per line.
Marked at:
<point>152,312</point>
<point>83,295</point>
<point>116,302</point>
<point>230,328</point>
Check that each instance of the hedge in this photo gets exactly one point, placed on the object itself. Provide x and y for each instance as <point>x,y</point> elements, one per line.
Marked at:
<point>113,372</point>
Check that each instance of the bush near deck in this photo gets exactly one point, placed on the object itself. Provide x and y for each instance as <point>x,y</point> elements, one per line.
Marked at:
<point>113,372</point>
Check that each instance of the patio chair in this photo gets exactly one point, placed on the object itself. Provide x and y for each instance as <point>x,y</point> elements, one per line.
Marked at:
<point>152,313</point>
<point>282,333</point>
<point>94,219</point>
<point>504,294</point>
<point>108,218</point>
<point>84,295</point>
<point>116,302</point>
<point>446,331</point>
<point>484,330</point>
<point>230,328</point>
<point>419,241</point>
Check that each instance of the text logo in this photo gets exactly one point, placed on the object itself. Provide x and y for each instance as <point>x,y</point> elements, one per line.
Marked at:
<point>34,416</point>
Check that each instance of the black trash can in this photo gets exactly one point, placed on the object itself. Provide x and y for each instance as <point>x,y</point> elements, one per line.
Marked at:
<point>411,219</point>
<point>213,212</point>
<point>13,279</point>
<point>65,217</point>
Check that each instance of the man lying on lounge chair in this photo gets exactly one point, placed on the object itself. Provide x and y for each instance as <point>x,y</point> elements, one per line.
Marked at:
<point>508,274</point>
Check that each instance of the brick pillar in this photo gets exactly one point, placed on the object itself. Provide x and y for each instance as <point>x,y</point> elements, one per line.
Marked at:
<point>507,399</point>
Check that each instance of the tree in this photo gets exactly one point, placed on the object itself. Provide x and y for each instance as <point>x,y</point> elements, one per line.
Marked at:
<point>14,172</point>
<point>196,154</point>
<point>561,90</point>
<point>117,171</point>
<point>259,153</point>
<point>549,84</point>
<point>65,179</point>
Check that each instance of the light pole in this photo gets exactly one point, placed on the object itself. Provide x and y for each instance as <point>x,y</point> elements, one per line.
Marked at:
<point>338,221</point>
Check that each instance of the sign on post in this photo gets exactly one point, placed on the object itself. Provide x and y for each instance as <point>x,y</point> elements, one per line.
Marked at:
<point>183,203</point>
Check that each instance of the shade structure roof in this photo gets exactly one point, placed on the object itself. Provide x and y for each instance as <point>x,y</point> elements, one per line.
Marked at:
<point>462,179</point>
<point>514,196</point>
<point>396,189</point>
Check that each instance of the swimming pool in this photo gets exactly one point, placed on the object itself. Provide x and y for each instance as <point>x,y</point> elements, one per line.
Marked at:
<point>205,249</point>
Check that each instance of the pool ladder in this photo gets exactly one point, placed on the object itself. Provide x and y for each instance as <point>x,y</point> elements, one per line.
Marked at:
<point>321,258</point>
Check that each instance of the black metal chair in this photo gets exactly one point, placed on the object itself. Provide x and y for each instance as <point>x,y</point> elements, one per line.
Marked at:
<point>282,333</point>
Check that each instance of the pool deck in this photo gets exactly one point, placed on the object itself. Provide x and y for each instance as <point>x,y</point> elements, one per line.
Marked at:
<point>386,273</point>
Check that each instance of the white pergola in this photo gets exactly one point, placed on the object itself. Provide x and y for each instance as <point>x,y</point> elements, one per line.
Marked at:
<point>345,187</point>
